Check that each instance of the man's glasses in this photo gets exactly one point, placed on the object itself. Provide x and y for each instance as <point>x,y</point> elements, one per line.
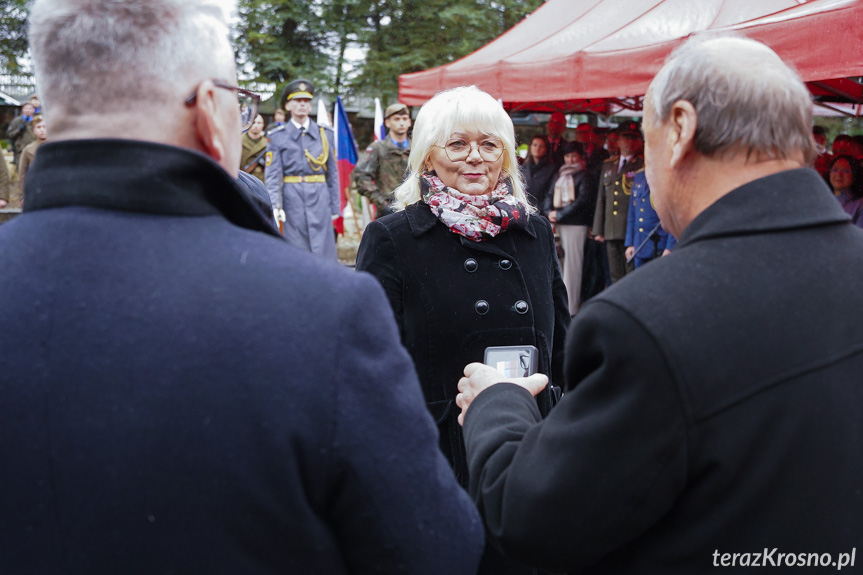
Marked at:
<point>247,100</point>
<point>457,149</point>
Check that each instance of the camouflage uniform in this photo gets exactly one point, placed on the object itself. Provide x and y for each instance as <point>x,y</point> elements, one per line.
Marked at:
<point>380,171</point>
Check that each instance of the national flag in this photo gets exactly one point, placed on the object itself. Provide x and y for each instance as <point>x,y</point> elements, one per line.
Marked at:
<point>346,159</point>
<point>323,117</point>
<point>380,129</point>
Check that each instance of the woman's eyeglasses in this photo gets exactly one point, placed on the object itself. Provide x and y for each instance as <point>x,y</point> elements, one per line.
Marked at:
<point>247,100</point>
<point>457,149</point>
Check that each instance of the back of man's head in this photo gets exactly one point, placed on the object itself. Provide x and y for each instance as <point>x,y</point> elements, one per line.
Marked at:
<point>746,98</point>
<point>125,58</point>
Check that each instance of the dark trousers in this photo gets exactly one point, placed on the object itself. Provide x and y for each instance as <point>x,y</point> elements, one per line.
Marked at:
<point>617,265</point>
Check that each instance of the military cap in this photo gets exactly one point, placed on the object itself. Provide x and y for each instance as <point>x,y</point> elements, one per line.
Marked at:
<point>397,108</point>
<point>299,88</point>
<point>629,128</point>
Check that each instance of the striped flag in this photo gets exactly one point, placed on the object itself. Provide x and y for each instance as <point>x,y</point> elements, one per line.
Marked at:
<point>346,158</point>
<point>380,129</point>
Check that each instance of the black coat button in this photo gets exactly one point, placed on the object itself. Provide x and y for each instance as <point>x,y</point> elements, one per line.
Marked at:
<point>470,265</point>
<point>481,307</point>
<point>521,306</point>
<point>505,264</point>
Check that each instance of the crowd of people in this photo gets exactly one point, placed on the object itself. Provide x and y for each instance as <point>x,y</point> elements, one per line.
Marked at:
<point>191,383</point>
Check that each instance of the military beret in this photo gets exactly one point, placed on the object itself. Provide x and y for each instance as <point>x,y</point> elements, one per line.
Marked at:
<point>397,108</point>
<point>630,128</point>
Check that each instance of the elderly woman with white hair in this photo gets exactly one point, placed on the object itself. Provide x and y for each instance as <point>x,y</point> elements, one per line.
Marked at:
<point>464,262</point>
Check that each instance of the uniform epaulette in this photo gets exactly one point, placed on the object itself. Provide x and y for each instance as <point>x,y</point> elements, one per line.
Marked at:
<point>276,129</point>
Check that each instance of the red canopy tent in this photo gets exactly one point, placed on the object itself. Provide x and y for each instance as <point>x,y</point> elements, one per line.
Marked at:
<point>600,55</point>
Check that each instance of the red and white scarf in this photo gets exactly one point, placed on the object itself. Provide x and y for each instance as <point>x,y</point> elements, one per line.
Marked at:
<point>477,218</point>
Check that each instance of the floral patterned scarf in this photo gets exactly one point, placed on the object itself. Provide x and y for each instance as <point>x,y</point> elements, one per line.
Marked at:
<point>477,218</point>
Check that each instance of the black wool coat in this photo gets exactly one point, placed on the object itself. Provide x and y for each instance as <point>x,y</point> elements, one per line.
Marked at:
<point>454,297</point>
<point>537,177</point>
<point>581,211</point>
<point>183,392</point>
<point>712,404</point>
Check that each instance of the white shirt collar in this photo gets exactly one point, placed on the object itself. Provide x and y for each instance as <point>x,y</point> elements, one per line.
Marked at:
<point>304,125</point>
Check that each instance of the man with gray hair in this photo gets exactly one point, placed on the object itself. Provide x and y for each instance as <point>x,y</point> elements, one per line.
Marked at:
<point>711,416</point>
<point>181,391</point>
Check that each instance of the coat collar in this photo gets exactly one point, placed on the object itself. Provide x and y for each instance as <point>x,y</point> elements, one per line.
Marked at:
<point>787,200</point>
<point>311,132</point>
<point>421,220</point>
<point>137,176</point>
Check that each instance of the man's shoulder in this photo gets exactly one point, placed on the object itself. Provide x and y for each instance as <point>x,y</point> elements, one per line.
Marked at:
<point>277,132</point>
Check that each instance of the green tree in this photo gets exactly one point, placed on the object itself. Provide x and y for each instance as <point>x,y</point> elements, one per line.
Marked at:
<point>284,39</point>
<point>13,33</point>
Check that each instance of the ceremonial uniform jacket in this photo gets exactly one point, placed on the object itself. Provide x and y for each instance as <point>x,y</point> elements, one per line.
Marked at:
<point>182,392</point>
<point>642,219</point>
<point>380,170</point>
<point>712,404</point>
<point>612,202</point>
<point>254,149</point>
<point>308,204</point>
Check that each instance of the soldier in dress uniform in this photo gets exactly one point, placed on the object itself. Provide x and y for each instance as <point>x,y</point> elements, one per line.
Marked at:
<point>612,205</point>
<point>382,167</point>
<point>301,175</point>
<point>641,222</point>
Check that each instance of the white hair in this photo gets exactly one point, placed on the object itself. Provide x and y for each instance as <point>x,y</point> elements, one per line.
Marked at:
<point>105,54</point>
<point>745,97</point>
<point>464,108</point>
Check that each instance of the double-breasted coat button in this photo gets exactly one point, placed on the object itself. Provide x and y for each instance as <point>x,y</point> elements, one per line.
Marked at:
<point>470,265</point>
<point>505,264</point>
<point>521,306</point>
<point>481,307</point>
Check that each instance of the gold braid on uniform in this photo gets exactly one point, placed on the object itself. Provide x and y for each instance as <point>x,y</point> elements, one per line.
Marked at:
<point>320,161</point>
<point>626,184</point>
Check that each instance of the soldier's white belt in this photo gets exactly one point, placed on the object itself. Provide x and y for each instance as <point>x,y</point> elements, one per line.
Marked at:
<point>318,179</point>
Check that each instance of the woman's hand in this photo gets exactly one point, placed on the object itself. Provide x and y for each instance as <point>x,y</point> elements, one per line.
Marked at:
<point>479,376</point>
<point>552,216</point>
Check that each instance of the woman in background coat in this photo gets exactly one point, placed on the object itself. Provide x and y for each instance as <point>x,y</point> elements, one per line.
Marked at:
<point>570,205</point>
<point>538,170</point>
<point>464,263</point>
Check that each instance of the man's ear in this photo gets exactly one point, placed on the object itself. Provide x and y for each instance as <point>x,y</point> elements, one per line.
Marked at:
<point>207,127</point>
<point>681,136</point>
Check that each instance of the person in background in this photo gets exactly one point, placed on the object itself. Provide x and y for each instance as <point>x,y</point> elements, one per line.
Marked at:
<point>28,154</point>
<point>712,411</point>
<point>382,167</point>
<point>824,158</point>
<point>594,153</point>
<point>643,224</point>
<point>5,182</point>
<point>20,131</point>
<point>570,203</point>
<point>278,120</point>
<point>554,137</point>
<point>846,180</point>
<point>537,171</point>
<point>611,144</point>
<point>254,148</point>
<point>182,391</point>
<point>612,207</point>
<point>301,175</point>
<point>464,263</point>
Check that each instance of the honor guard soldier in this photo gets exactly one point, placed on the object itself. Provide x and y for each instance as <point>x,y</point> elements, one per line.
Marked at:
<point>612,205</point>
<point>643,225</point>
<point>301,175</point>
<point>382,167</point>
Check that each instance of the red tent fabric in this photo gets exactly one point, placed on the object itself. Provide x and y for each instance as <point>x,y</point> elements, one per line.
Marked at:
<point>593,55</point>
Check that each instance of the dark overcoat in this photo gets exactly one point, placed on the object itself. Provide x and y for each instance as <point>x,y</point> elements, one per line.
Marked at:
<point>454,297</point>
<point>712,404</point>
<point>183,392</point>
<point>537,177</point>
